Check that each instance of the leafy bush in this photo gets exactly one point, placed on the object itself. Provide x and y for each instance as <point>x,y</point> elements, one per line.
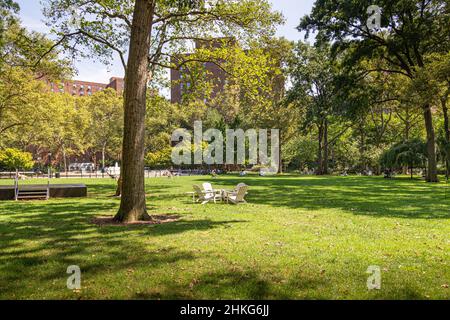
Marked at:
<point>159,159</point>
<point>410,153</point>
<point>13,159</point>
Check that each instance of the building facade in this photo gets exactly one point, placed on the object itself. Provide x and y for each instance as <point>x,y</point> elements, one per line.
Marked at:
<point>85,88</point>
<point>179,78</point>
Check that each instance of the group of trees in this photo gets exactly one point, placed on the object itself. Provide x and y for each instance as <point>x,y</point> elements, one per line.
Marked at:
<point>151,34</point>
<point>65,126</point>
<point>360,98</point>
<point>412,37</point>
<point>36,120</point>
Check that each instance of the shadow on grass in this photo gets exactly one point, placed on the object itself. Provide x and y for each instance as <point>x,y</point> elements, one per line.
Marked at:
<point>232,284</point>
<point>373,196</point>
<point>38,239</point>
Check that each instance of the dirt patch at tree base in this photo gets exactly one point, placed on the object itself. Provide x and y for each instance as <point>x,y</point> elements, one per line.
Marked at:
<point>107,221</point>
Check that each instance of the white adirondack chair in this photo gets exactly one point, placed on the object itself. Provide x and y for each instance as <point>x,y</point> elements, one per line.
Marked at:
<point>203,196</point>
<point>211,193</point>
<point>236,188</point>
<point>237,196</point>
<point>240,185</point>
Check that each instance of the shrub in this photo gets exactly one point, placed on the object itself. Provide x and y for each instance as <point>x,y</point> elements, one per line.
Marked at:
<point>159,159</point>
<point>13,159</point>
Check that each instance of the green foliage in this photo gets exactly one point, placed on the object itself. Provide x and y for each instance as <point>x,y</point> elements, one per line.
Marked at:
<point>163,117</point>
<point>8,11</point>
<point>406,154</point>
<point>103,27</point>
<point>443,146</point>
<point>313,76</point>
<point>31,51</point>
<point>66,124</point>
<point>159,159</point>
<point>410,30</point>
<point>13,159</point>
<point>26,59</point>
<point>358,88</point>
<point>105,128</point>
<point>299,153</point>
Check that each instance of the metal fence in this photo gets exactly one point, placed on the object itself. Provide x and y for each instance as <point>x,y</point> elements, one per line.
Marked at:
<point>44,175</point>
<point>149,173</point>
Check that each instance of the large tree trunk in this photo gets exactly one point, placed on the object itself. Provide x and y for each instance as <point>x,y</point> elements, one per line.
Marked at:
<point>431,147</point>
<point>280,164</point>
<point>362,149</point>
<point>119,187</point>
<point>103,157</point>
<point>319,153</point>
<point>407,126</point>
<point>406,137</point>
<point>65,160</point>
<point>447,135</point>
<point>325,148</point>
<point>132,205</point>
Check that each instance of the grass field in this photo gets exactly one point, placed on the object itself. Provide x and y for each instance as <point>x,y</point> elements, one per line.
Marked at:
<point>298,238</point>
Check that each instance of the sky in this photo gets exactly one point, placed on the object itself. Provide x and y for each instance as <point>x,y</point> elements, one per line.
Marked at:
<point>32,18</point>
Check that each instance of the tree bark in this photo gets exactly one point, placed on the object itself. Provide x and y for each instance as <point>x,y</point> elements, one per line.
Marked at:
<point>447,136</point>
<point>362,149</point>
<point>65,160</point>
<point>280,164</point>
<point>319,154</point>
<point>119,187</point>
<point>132,205</point>
<point>103,157</point>
<point>407,126</point>
<point>325,148</point>
<point>431,147</point>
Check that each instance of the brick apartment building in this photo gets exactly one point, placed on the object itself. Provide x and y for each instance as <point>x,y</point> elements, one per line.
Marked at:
<point>85,88</point>
<point>216,74</point>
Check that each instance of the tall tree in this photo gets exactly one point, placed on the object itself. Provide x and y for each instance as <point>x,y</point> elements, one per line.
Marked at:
<point>409,31</point>
<point>24,58</point>
<point>132,205</point>
<point>432,86</point>
<point>106,117</point>
<point>314,75</point>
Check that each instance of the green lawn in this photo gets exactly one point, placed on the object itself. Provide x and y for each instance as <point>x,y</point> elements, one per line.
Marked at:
<point>298,238</point>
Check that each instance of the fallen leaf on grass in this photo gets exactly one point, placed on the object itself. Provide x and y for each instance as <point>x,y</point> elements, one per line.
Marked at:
<point>193,283</point>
